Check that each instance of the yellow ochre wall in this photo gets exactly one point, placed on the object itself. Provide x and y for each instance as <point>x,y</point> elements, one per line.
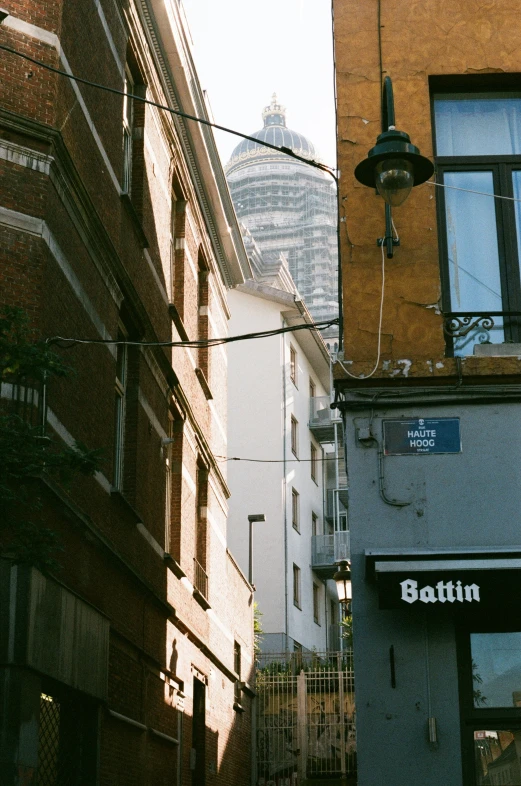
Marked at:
<point>419,39</point>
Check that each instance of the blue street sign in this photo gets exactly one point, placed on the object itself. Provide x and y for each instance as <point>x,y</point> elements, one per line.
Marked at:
<point>421,435</point>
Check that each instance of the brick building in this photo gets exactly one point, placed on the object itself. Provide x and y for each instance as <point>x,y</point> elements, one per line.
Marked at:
<point>432,421</point>
<point>131,665</point>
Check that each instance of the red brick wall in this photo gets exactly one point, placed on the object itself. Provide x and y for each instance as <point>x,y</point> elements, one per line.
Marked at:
<point>78,274</point>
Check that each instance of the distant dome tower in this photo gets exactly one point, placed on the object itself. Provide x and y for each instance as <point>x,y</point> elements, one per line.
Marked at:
<point>289,207</point>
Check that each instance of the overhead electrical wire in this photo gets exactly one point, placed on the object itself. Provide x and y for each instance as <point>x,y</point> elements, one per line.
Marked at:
<point>273,461</point>
<point>471,191</point>
<point>286,150</point>
<point>211,342</point>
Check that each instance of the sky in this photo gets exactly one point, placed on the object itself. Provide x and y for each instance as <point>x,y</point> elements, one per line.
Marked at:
<point>245,50</point>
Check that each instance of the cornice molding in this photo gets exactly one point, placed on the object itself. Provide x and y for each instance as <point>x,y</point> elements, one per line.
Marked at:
<point>185,138</point>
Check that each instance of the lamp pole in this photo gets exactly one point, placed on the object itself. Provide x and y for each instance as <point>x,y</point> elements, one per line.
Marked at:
<point>252,518</point>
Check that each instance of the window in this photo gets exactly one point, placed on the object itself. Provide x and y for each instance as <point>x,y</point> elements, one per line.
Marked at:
<point>312,388</point>
<point>314,524</point>
<point>237,669</point>
<point>203,315</point>
<point>128,128</point>
<point>491,706</point>
<point>480,236</point>
<point>295,512</point>
<point>316,603</point>
<point>296,586</point>
<point>120,410</point>
<point>173,235</point>
<point>294,436</point>
<point>313,463</point>
<point>201,533</point>
<point>293,365</point>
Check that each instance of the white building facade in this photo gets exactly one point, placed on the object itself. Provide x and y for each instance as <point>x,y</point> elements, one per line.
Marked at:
<point>274,384</point>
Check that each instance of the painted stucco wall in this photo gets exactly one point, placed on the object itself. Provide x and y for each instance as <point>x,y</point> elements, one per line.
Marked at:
<point>466,500</point>
<point>419,39</point>
<point>257,374</point>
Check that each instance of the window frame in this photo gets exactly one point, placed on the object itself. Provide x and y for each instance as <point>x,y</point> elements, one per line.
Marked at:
<point>294,435</point>
<point>297,589</point>
<point>129,85</point>
<point>293,365</point>
<point>295,510</point>
<point>313,462</point>
<point>501,167</point>
<point>316,603</point>
<point>120,407</point>
<point>472,718</point>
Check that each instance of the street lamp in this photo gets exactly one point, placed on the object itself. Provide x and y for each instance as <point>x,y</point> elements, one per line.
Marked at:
<point>343,584</point>
<point>393,166</point>
<point>253,517</point>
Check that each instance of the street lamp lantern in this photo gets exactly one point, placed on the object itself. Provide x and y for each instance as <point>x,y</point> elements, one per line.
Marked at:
<point>343,582</point>
<point>393,166</point>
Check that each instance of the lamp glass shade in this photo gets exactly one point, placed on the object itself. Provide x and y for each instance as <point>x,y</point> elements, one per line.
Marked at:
<point>344,590</point>
<point>342,579</point>
<point>394,180</point>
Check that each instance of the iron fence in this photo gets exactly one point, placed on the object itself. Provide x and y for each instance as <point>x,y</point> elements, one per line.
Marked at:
<point>25,398</point>
<point>305,717</point>
<point>200,579</point>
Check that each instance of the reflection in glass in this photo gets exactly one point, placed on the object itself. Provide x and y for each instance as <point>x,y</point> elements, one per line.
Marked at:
<point>473,254</point>
<point>516,181</point>
<point>497,757</point>
<point>460,127</point>
<point>496,669</point>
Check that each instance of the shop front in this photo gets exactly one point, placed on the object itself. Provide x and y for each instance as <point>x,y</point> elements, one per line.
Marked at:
<point>476,596</point>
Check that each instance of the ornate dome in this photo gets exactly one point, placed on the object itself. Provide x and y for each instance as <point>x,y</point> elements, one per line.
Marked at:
<point>276,133</point>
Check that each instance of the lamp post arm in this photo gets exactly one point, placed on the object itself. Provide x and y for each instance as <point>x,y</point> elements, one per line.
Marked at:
<point>388,118</point>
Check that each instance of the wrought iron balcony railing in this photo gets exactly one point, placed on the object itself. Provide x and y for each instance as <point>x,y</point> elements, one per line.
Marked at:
<point>458,324</point>
<point>200,579</point>
<point>25,398</point>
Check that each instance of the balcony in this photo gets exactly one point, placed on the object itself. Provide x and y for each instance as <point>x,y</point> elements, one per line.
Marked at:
<point>322,418</point>
<point>201,585</point>
<point>327,550</point>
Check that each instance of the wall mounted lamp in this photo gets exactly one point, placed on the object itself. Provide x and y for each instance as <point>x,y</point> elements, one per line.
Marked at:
<point>344,588</point>
<point>393,166</point>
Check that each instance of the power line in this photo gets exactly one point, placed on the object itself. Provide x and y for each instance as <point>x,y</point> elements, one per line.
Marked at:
<point>273,461</point>
<point>471,191</point>
<point>211,342</point>
<point>285,150</point>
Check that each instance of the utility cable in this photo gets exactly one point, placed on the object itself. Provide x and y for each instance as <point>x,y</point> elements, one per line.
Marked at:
<point>286,150</point>
<point>273,461</point>
<point>211,342</point>
<point>471,191</point>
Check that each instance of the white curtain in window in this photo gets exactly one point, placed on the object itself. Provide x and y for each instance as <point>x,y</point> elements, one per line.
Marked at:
<point>475,283</point>
<point>478,127</point>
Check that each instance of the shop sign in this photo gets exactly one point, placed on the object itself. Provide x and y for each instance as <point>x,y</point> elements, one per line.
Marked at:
<point>421,435</point>
<point>464,591</point>
<point>442,592</point>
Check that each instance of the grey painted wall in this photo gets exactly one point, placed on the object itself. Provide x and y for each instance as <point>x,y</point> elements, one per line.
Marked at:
<point>472,499</point>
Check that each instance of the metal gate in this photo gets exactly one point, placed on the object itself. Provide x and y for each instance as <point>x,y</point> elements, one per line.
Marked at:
<point>305,718</point>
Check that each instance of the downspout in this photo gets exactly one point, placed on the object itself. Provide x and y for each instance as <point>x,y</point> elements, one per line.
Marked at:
<point>284,483</point>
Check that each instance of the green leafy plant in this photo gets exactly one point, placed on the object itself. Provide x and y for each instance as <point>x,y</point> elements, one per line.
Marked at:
<point>26,451</point>
<point>257,628</point>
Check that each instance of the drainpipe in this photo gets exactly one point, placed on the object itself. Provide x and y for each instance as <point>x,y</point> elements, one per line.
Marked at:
<point>284,482</point>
